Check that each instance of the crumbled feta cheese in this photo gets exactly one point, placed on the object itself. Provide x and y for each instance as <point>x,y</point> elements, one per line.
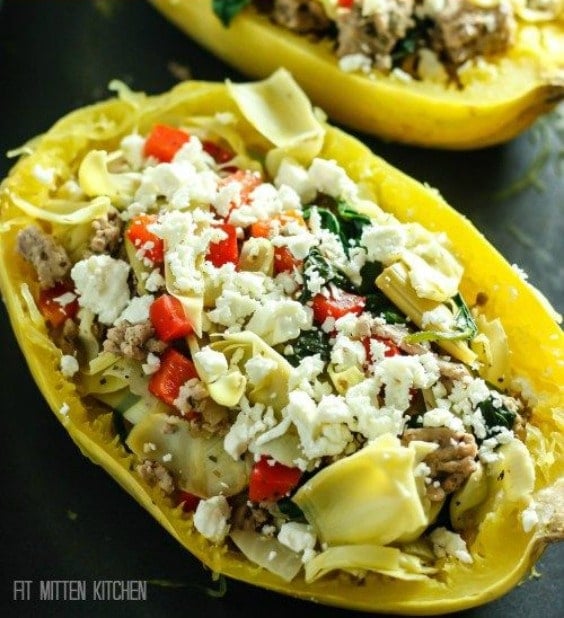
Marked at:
<point>101,282</point>
<point>69,365</point>
<point>447,543</point>
<point>258,367</point>
<point>321,427</point>
<point>152,364</point>
<point>277,321</point>
<point>179,182</point>
<point>347,353</point>
<point>251,421</point>
<point>366,418</point>
<point>137,310</point>
<point>293,175</point>
<point>328,177</point>
<point>65,299</point>
<point>211,518</point>
<point>264,202</point>
<point>298,537</point>
<point>187,235</point>
<point>132,147</point>
<point>439,417</point>
<point>384,243</point>
<point>529,518</point>
<point>399,374</point>
<point>154,281</point>
<point>439,318</point>
<point>351,63</point>
<point>211,365</point>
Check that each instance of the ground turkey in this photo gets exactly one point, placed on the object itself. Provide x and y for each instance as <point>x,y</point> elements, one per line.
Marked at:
<point>107,233</point>
<point>301,16</point>
<point>463,30</point>
<point>451,463</point>
<point>49,259</point>
<point>374,35</point>
<point>133,340</point>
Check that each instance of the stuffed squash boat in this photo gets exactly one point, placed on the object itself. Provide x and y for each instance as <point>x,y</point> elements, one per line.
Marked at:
<point>455,74</point>
<point>285,350</point>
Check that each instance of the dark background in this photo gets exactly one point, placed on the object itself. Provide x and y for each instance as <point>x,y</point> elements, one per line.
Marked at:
<point>64,518</point>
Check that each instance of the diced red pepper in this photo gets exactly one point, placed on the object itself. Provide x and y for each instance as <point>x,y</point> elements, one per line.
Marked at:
<point>164,142</point>
<point>175,369</point>
<point>149,244</point>
<point>391,348</point>
<point>188,501</point>
<point>218,153</point>
<point>345,4</point>
<point>52,305</point>
<point>271,480</point>
<point>169,318</point>
<point>284,260</point>
<point>336,306</point>
<point>225,250</point>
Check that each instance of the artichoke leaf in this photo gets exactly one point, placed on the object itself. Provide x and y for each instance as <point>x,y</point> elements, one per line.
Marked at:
<point>200,464</point>
<point>368,497</point>
<point>389,561</point>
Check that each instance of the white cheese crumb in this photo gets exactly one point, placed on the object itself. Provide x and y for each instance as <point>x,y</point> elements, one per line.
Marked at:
<point>351,63</point>
<point>69,365</point>
<point>298,537</point>
<point>211,518</point>
<point>64,409</point>
<point>101,282</point>
<point>137,310</point>
<point>529,518</point>
<point>447,543</point>
<point>211,365</point>
<point>152,364</point>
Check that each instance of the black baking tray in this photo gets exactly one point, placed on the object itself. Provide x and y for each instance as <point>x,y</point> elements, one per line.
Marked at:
<point>64,518</point>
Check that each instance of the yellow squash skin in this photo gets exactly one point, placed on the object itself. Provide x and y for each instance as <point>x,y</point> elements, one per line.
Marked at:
<point>536,343</point>
<point>528,81</point>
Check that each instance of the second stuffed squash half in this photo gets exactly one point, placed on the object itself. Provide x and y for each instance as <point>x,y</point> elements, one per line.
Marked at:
<point>456,74</point>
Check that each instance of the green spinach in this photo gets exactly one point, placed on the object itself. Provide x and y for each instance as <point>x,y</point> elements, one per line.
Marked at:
<point>227,9</point>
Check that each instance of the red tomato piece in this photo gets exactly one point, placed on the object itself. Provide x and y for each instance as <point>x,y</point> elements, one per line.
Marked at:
<point>188,501</point>
<point>175,369</point>
<point>218,153</point>
<point>149,244</point>
<point>169,319</point>
<point>270,480</point>
<point>54,304</point>
<point>336,306</point>
<point>346,4</point>
<point>164,142</point>
<point>225,250</point>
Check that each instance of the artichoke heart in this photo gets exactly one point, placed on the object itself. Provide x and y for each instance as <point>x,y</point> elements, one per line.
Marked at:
<point>200,464</point>
<point>370,497</point>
